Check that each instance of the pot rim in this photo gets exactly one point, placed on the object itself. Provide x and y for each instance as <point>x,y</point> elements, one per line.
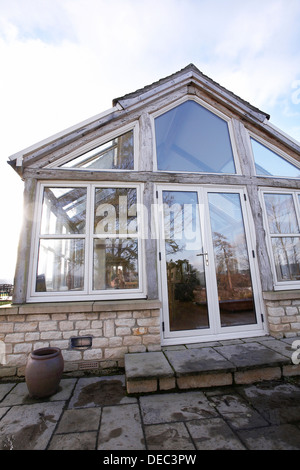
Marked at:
<point>45,353</point>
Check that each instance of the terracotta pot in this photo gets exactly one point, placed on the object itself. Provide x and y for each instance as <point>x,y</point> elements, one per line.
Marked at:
<point>43,372</point>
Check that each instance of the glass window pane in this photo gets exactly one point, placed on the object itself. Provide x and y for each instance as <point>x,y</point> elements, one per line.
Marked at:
<point>231,260</point>
<point>191,138</point>
<point>115,264</point>
<point>60,265</point>
<point>63,211</point>
<point>286,251</point>
<point>116,154</point>
<point>281,213</point>
<point>115,211</point>
<point>269,163</point>
<point>188,309</point>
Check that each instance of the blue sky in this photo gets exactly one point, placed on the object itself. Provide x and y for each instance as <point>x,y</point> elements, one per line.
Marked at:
<point>63,61</point>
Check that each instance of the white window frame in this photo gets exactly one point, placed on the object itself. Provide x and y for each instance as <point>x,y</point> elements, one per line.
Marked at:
<point>279,285</point>
<point>96,143</point>
<point>274,149</point>
<point>215,332</point>
<point>210,108</point>
<point>87,293</point>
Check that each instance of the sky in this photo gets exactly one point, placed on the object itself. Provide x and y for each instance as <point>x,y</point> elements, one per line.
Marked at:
<point>64,61</point>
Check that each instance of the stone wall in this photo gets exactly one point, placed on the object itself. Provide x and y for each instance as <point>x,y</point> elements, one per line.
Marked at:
<point>283,313</point>
<point>116,328</point>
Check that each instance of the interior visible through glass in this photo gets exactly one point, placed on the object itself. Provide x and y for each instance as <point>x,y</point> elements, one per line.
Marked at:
<point>115,154</point>
<point>283,223</point>
<point>115,264</point>
<point>60,265</point>
<point>186,281</point>
<point>115,259</point>
<point>234,283</point>
<point>269,163</point>
<point>63,211</point>
<point>191,138</point>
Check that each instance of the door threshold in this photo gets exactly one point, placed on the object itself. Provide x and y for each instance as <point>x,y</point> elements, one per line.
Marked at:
<point>209,338</point>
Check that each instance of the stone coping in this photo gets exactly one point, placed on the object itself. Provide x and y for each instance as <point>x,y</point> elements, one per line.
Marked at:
<point>79,307</point>
<point>282,295</point>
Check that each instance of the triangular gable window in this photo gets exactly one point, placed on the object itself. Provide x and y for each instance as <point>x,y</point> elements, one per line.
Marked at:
<point>116,154</point>
<point>191,138</point>
<point>269,163</point>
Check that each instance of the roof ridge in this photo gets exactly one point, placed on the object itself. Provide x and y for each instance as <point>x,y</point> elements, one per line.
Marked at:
<point>189,67</point>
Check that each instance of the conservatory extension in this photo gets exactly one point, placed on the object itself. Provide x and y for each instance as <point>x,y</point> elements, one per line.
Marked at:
<point>172,218</point>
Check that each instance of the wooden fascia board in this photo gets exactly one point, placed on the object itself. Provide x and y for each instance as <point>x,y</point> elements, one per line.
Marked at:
<point>56,141</point>
<point>280,136</point>
<point>144,98</point>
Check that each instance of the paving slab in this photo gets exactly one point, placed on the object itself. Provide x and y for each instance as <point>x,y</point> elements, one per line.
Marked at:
<point>172,436</point>
<point>100,391</point>
<point>79,420</point>
<point>4,390</point>
<point>121,428</point>
<point>197,361</point>
<point>3,410</point>
<point>251,355</point>
<point>29,427</point>
<point>74,441</point>
<point>171,407</point>
<point>147,365</point>
<point>277,403</point>
<point>284,437</point>
<point>281,347</point>
<point>19,394</point>
<point>213,434</point>
<point>237,412</point>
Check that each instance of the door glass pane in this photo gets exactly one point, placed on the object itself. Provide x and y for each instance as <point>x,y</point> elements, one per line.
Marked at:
<point>231,260</point>
<point>286,251</point>
<point>115,211</point>
<point>185,268</point>
<point>115,264</point>
<point>116,154</point>
<point>63,211</point>
<point>60,265</point>
<point>281,213</point>
<point>189,137</point>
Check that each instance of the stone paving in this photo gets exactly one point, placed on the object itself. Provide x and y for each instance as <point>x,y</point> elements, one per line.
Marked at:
<point>95,413</point>
<point>218,363</point>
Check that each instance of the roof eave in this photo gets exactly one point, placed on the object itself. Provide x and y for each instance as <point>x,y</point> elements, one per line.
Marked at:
<point>16,160</point>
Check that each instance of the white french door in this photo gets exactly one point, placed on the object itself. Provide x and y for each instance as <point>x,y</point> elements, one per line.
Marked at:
<point>209,280</point>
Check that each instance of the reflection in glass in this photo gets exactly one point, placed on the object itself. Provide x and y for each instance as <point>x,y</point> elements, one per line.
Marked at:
<point>115,264</point>
<point>60,265</point>
<point>63,211</point>
<point>115,211</point>
<point>286,251</point>
<point>231,260</point>
<point>191,138</point>
<point>281,213</point>
<point>116,154</point>
<point>268,163</point>
<point>185,268</point>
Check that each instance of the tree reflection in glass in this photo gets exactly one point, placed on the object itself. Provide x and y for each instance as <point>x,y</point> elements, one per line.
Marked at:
<point>185,269</point>
<point>231,260</point>
<point>282,221</point>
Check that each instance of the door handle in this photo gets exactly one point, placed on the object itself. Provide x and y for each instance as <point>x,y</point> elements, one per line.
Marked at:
<point>205,257</point>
